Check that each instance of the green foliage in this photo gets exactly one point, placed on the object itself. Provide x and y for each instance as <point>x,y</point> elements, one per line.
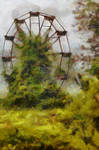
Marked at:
<point>31,82</point>
<point>73,128</point>
<point>95,68</point>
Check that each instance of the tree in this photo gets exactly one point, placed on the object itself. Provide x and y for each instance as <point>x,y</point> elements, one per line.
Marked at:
<point>31,81</point>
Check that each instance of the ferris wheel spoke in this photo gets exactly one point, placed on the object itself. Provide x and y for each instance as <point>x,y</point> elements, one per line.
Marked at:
<point>30,24</point>
<point>60,45</point>
<point>10,28</point>
<point>60,24</point>
<point>52,35</point>
<point>22,15</point>
<point>68,43</point>
<point>49,28</point>
<point>27,27</point>
<point>3,47</point>
<point>41,26</point>
<point>19,29</point>
<point>39,22</point>
<point>12,49</point>
<point>55,41</point>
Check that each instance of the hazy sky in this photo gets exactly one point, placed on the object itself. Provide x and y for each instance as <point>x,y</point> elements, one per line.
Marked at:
<point>62,8</point>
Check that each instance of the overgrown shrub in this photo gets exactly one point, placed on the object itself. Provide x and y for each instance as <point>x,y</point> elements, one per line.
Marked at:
<point>32,82</point>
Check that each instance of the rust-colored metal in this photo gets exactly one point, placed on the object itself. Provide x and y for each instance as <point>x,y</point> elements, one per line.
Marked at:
<point>65,54</point>
<point>9,38</point>
<point>41,25</point>
<point>19,21</point>
<point>34,14</point>
<point>60,45</point>
<point>55,40</point>
<point>30,24</point>
<point>52,35</point>
<point>8,58</point>
<point>19,29</point>
<point>61,33</point>
<point>68,43</point>
<point>49,18</point>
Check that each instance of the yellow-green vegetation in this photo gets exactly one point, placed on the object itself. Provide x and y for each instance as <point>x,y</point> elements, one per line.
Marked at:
<point>73,128</point>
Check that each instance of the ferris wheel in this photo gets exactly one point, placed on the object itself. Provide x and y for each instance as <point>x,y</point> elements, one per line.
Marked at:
<point>39,23</point>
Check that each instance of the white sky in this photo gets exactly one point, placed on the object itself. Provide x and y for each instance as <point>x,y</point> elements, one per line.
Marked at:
<point>60,7</point>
